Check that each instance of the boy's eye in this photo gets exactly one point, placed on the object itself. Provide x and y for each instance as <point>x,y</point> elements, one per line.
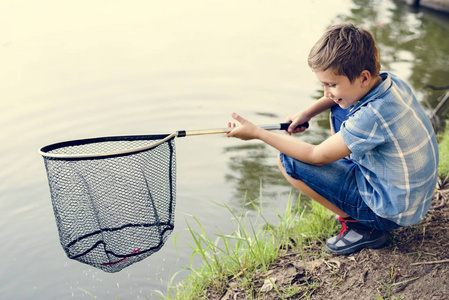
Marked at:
<point>331,85</point>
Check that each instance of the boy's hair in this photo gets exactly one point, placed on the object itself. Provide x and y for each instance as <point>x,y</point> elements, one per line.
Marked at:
<point>347,50</point>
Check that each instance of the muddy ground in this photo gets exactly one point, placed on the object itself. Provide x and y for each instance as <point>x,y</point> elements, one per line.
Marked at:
<point>415,265</point>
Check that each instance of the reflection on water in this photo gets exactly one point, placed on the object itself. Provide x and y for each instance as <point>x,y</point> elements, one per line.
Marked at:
<point>253,167</point>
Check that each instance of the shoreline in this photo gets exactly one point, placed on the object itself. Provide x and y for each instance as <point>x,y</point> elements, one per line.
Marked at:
<point>436,5</point>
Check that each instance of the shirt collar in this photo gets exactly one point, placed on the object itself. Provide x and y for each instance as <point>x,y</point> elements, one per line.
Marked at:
<point>375,93</point>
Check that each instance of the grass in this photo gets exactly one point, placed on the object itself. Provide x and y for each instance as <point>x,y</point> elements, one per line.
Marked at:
<point>444,152</point>
<point>250,249</point>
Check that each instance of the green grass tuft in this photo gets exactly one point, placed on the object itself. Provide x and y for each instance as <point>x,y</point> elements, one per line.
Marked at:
<point>443,168</point>
<point>251,248</point>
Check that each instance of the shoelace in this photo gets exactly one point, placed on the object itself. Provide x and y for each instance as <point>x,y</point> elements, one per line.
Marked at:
<point>344,226</point>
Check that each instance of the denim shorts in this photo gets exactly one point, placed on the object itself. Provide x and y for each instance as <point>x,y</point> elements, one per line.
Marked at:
<point>337,182</point>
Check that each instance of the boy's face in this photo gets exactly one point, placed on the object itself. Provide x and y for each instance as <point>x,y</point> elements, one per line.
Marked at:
<point>340,89</point>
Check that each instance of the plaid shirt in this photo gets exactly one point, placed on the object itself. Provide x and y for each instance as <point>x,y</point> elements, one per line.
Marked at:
<point>393,143</point>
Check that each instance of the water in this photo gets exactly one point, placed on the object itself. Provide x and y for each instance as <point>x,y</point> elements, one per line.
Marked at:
<point>95,68</point>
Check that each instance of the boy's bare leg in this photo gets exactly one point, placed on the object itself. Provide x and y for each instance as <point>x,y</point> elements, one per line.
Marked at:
<point>331,126</point>
<point>303,188</point>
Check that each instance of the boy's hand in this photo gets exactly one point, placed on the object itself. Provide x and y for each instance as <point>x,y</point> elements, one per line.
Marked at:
<point>246,131</point>
<point>295,120</point>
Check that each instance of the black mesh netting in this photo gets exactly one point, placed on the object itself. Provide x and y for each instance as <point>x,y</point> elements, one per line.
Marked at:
<point>115,210</point>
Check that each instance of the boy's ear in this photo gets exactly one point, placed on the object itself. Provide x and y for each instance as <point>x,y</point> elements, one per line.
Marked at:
<point>365,77</point>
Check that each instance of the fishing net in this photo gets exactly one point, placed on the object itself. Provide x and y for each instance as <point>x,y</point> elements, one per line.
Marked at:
<point>113,198</point>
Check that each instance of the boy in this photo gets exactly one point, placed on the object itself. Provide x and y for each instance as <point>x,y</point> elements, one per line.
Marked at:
<point>378,169</point>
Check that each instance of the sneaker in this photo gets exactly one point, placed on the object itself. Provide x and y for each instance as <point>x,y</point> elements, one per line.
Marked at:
<point>354,237</point>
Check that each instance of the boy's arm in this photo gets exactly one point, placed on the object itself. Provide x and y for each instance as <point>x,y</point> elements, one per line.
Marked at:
<point>305,115</point>
<point>328,151</point>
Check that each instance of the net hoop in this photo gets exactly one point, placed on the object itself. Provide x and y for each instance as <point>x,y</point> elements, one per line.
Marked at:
<point>113,198</point>
<point>46,151</point>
